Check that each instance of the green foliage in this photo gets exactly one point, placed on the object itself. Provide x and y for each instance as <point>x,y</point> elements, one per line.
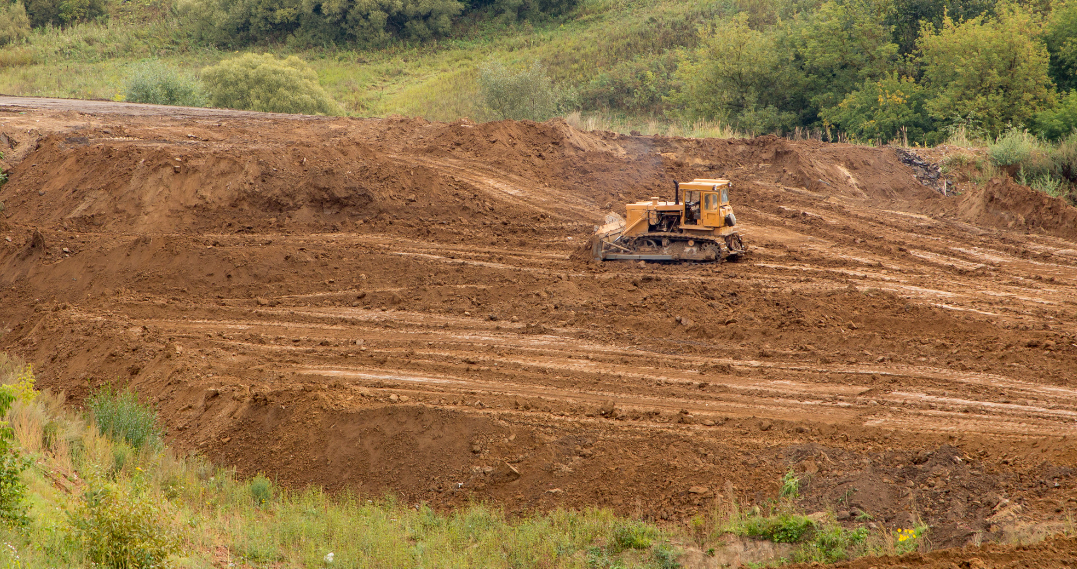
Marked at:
<point>264,83</point>
<point>1064,157</point>
<point>12,465</point>
<point>1044,182</point>
<point>1013,147</point>
<point>636,85</point>
<point>156,83</point>
<point>830,544</point>
<point>842,45</point>
<point>908,15</point>
<point>261,490</point>
<point>364,22</point>
<point>14,23</point>
<point>790,485</point>
<point>528,94</point>
<point>780,528</point>
<point>1057,122</point>
<point>119,415</point>
<point>631,536</point>
<point>883,109</point>
<point>987,72</point>
<point>739,76</point>
<point>64,12</point>
<point>1060,36</point>
<point>122,529</point>
<point>523,9</point>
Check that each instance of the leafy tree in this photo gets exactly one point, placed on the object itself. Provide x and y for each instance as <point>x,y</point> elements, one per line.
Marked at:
<point>638,85</point>
<point>64,12</point>
<point>1058,122</point>
<point>989,72</point>
<point>737,75</point>
<point>879,110</point>
<point>842,45</point>
<point>365,22</point>
<point>523,9</point>
<point>1061,39</point>
<point>264,83</point>
<point>14,23</point>
<point>156,83</point>
<point>907,16</point>
<point>528,94</point>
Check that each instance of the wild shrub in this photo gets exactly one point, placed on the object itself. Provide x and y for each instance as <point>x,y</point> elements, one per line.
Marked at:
<point>525,95</point>
<point>121,416</point>
<point>258,82</point>
<point>261,490</point>
<point>779,528</point>
<point>1064,157</point>
<point>12,464</point>
<point>638,85</point>
<point>790,485</point>
<point>1012,147</point>
<point>64,12</point>
<point>122,528</point>
<point>14,23</point>
<point>830,544</point>
<point>156,83</point>
<point>1060,121</point>
<point>631,536</point>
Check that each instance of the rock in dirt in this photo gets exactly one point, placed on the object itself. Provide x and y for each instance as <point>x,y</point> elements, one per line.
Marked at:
<point>504,472</point>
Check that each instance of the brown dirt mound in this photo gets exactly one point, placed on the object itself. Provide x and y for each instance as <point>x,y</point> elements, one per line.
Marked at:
<point>1004,204</point>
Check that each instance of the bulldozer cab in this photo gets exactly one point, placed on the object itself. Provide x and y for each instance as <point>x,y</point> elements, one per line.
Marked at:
<point>703,207</point>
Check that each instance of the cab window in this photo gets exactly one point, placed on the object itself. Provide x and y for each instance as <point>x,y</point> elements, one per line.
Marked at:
<point>725,195</point>
<point>710,202</point>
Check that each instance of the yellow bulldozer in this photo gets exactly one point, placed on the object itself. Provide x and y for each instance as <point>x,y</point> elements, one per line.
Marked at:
<point>698,225</point>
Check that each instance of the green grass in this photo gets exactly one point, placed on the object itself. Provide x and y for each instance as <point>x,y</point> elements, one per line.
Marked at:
<point>121,416</point>
<point>436,80</point>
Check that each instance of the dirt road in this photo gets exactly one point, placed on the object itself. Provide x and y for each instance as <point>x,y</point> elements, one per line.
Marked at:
<point>391,305</point>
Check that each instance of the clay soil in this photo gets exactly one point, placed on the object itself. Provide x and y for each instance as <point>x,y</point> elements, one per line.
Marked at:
<point>393,306</point>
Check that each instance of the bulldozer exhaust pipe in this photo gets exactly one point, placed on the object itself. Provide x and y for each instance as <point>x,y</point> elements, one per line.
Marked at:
<point>676,192</point>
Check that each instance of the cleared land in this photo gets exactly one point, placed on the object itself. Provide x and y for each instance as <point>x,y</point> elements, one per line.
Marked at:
<point>395,306</point>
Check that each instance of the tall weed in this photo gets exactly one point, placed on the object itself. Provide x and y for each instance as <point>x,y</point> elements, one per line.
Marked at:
<point>153,82</point>
<point>120,415</point>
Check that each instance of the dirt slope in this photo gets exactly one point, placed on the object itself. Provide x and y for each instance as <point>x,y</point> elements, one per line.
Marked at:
<point>390,305</point>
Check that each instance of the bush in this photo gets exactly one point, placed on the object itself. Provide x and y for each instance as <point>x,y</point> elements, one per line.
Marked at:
<point>631,536</point>
<point>639,85</point>
<point>781,528</point>
<point>119,415</point>
<point>122,528</point>
<point>12,488</point>
<point>264,83</point>
<point>367,23</point>
<point>1064,157</point>
<point>261,490</point>
<point>527,95</point>
<point>159,84</point>
<point>14,23</point>
<point>1057,123</point>
<point>830,544</point>
<point>1013,147</point>
<point>64,12</point>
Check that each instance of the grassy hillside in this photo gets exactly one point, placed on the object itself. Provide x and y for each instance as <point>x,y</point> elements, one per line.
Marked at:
<point>437,79</point>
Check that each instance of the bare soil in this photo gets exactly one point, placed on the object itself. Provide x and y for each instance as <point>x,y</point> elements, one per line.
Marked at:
<point>392,306</point>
